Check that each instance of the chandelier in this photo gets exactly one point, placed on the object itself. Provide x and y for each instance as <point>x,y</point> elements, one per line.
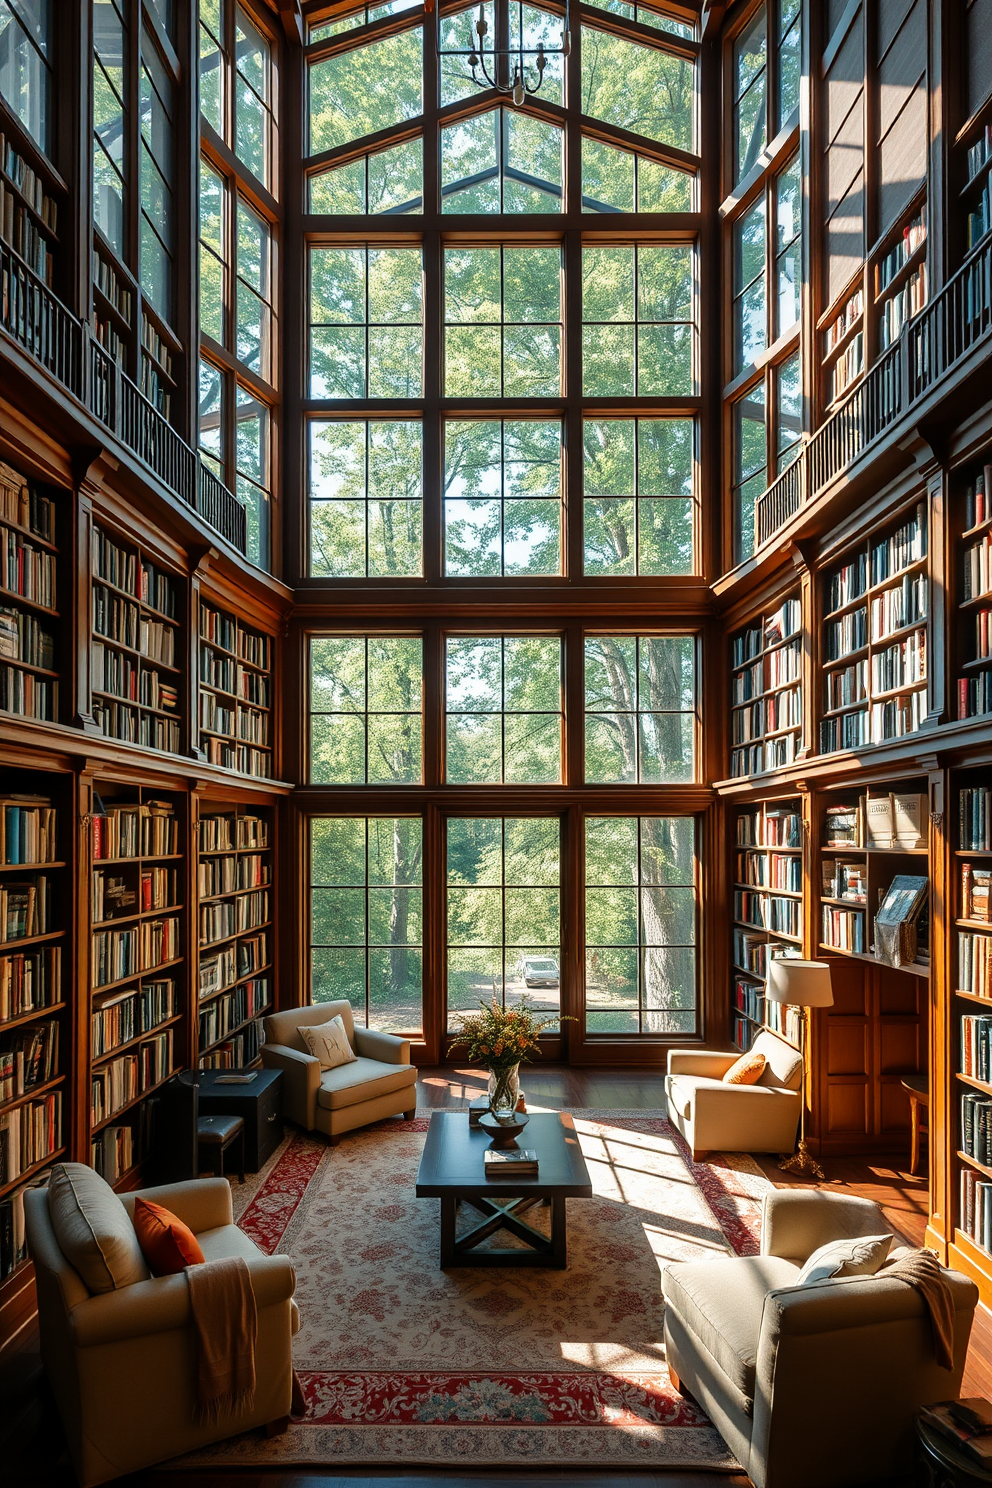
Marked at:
<point>508,67</point>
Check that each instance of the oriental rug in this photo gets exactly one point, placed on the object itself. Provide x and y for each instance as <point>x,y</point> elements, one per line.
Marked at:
<point>402,1363</point>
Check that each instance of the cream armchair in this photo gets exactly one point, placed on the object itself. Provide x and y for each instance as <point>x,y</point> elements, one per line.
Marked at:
<point>812,1386</point>
<point>122,1364</point>
<point>714,1117</point>
<point>381,1082</point>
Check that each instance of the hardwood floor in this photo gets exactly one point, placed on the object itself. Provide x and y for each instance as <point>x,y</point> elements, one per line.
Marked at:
<point>31,1442</point>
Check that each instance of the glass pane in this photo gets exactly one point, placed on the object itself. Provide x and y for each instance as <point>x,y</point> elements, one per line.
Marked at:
<point>749,62</point>
<point>502,509</point>
<point>211,73</point>
<point>657,95</point>
<point>750,331</point>
<point>366,701</point>
<point>365,473</point>
<point>640,702</point>
<point>789,61</point>
<point>355,294</point>
<point>391,181</point>
<point>501,161</point>
<point>503,703</point>
<point>25,78</point>
<point>790,406</point>
<point>364,90</point>
<point>210,409</point>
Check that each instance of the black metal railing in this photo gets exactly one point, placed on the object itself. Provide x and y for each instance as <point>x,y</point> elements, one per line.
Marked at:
<point>42,326</point>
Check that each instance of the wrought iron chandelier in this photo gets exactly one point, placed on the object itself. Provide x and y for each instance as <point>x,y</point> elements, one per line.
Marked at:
<point>510,68</point>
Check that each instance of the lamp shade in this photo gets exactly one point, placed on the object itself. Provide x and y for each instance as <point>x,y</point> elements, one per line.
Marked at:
<point>799,983</point>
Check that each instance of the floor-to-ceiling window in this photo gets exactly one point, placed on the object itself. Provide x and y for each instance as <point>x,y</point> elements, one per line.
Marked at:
<point>500,539</point>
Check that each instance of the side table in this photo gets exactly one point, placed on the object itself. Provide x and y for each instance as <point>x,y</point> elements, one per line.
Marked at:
<point>918,1089</point>
<point>259,1104</point>
<point>941,1465</point>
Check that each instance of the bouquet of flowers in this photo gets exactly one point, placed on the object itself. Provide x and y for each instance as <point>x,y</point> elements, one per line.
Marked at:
<point>500,1039</point>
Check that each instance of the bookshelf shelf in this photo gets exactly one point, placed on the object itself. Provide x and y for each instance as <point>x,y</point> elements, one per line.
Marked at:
<point>236,682</point>
<point>35,1093</point>
<point>234,877</point>
<point>768,913</point>
<point>133,1043</point>
<point>34,1171</point>
<point>971,1003</point>
<point>766,717</point>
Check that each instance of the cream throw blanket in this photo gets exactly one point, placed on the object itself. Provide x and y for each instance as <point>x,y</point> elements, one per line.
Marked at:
<point>225,1326</point>
<point>921,1270</point>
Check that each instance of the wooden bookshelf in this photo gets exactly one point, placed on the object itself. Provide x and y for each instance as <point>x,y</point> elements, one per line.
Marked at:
<point>842,341</point>
<point>29,597</point>
<point>766,716</point>
<point>33,203</point>
<point>972,558</point>
<point>235,894</point>
<point>236,692</point>
<point>138,966</point>
<point>35,1033</point>
<point>971,1012</point>
<point>973,159</point>
<point>899,276</point>
<point>768,913</point>
<point>875,636</point>
<point>138,688</point>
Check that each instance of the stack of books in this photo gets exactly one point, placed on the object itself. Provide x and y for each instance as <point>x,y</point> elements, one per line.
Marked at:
<point>966,1424</point>
<point>510,1162</point>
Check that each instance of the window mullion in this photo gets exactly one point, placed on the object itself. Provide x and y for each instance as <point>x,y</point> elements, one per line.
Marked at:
<point>572,552</point>
<point>433,432</point>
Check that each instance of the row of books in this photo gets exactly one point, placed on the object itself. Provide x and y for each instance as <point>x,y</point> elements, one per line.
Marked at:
<point>148,830</point>
<point>900,664</point>
<point>28,183</point>
<point>898,716</point>
<point>770,870</point>
<point>901,307</point>
<point>845,321</point>
<point>848,731</point>
<point>236,1053</point>
<point>119,619</point>
<point>26,570</point>
<point>117,674</point>
<point>230,676</point>
<point>983,635</point>
<point>18,228</point>
<point>781,710</point>
<point>751,951</point>
<point>847,583</point>
<point>894,819</point>
<point>227,917</point>
<point>28,1134</point>
<point>155,388</point>
<point>231,875</point>
<point>847,686</point>
<point>976,1126</point>
<point>976,1046</point>
<point>27,830</point>
<point>783,1020</point>
<point>975,1217</point>
<point>107,334</point>
<point>26,694</point>
<point>24,638</point>
<point>776,669</point>
<point>25,908</point>
<point>135,575</point>
<point>233,833</point>
<point>118,720</point>
<point>848,367</point>
<point>908,603</point>
<point>778,826</point>
<point>912,237</point>
<point>977,506</point>
<point>155,345</point>
<point>749,999</point>
<point>222,630</point>
<point>119,1017</point>
<point>975,892</point>
<point>782,623</point>
<point>13,1237</point>
<point>975,695</point>
<point>980,151</point>
<point>118,1082</point>
<point>907,545</point>
<point>846,635</point>
<point>975,818</point>
<point>123,953</point>
<point>784,916</point>
<point>112,1152</point>
<point>980,218</point>
<point>30,981</point>
<point>844,929</point>
<point>841,879</point>
<point>221,1016</point>
<point>116,896</point>
<point>978,568</point>
<point>24,505</point>
<point>245,758</point>
<point>111,287</point>
<point>772,754</point>
<point>975,963</point>
<point>28,1057</point>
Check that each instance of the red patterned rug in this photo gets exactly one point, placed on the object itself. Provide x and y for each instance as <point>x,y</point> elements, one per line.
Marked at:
<point>404,1363</point>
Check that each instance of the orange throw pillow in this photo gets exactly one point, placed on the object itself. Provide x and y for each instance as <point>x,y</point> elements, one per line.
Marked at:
<point>166,1243</point>
<point>747,1070</point>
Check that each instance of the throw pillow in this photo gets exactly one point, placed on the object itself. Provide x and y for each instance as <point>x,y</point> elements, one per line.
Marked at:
<point>747,1070</point>
<point>166,1243</point>
<point>859,1255</point>
<point>328,1042</point>
<point>93,1229</point>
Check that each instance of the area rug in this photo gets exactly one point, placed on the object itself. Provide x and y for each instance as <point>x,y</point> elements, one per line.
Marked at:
<point>404,1363</point>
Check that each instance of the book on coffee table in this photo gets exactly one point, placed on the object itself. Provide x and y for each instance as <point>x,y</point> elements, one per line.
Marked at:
<point>510,1162</point>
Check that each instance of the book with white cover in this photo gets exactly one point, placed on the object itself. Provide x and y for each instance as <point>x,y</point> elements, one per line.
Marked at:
<point>878,821</point>
<point>909,820</point>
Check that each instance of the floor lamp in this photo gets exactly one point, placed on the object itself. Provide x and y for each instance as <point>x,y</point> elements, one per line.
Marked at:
<point>801,984</point>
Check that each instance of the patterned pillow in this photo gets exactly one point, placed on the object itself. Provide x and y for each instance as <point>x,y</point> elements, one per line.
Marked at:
<point>747,1070</point>
<point>861,1255</point>
<point>328,1042</point>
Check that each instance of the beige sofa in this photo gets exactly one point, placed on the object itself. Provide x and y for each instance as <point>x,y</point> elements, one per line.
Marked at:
<point>122,1364</point>
<point>714,1117</point>
<point>812,1386</point>
<point>381,1082</point>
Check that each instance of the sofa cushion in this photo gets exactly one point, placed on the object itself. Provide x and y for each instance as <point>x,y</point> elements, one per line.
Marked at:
<point>855,1255</point>
<point>167,1244</point>
<point>720,1303</point>
<point>284,1028</point>
<point>785,1064</point>
<point>350,1084</point>
<point>93,1229</point>
<point>682,1088</point>
<point>328,1042</point>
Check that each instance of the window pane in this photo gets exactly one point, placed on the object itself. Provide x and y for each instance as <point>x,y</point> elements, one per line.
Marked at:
<point>501,161</point>
<point>503,914</point>
<point>750,329</point>
<point>361,91</point>
<point>253,292</point>
<point>641,343</point>
<point>25,76</point>
<point>389,181</point>
<point>789,60</point>
<point>366,323</point>
<point>750,455</point>
<point>788,190</point>
<point>619,181</point>
<point>366,919</point>
<point>638,508</point>
<point>750,52</point>
<point>212,65</point>
<point>503,706</point>
<point>365,498</point>
<point>252,98</point>
<point>641,912</point>
<point>211,420</point>
<point>503,322</point>
<point>253,472</point>
<point>640,709</point>
<point>646,17</point>
<point>502,497</point>
<point>365,710</point>
<point>790,411</point>
<point>638,87</point>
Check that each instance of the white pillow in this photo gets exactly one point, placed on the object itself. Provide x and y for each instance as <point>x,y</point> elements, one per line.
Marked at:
<point>859,1255</point>
<point>328,1042</point>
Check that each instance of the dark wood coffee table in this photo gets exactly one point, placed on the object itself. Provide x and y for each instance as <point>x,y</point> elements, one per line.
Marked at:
<point>451,1170</point>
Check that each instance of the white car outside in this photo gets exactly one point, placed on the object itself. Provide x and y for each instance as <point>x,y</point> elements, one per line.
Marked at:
<point>540,971</point>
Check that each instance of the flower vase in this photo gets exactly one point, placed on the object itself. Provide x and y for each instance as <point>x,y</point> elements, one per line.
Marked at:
<point>504,1090</point>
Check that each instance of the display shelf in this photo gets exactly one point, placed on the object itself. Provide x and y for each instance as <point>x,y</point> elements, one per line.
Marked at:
<point>767,913</point>
<point>235,882</point>
<point>29,589</point>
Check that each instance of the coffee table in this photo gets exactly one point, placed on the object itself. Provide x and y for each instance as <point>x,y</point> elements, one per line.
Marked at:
<point>451,1170</point>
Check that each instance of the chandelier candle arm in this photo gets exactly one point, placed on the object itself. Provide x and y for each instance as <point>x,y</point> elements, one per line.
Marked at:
<point>509,71</point>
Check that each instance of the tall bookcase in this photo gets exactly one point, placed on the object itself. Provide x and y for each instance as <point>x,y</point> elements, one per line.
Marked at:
<point>235,884</point>
<point>972,559</point>
<point>29,597</point>
<point>138,966</point>
<point>768,913</point>
<point>766,717</point>
<point>35,1029</point>
<point>136,654</point>
<point>236,692</point>
<point>32,203</point>
<point>875,636</point>
<point>971,1016</point>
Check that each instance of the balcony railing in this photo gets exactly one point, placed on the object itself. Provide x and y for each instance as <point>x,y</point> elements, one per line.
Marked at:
<point>42,326</point>
<point>940,336</point>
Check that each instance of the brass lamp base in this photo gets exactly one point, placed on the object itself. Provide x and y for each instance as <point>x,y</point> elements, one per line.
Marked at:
<point>802,1163</point>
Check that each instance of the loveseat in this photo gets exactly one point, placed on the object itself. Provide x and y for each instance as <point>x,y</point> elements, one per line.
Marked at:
<point>714,1117</point>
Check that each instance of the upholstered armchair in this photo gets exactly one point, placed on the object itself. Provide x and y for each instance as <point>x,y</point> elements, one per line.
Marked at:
<point>380,1082</point>
<point>810,1386</point>
<point>714,1117</point>
<point>122,1363</point>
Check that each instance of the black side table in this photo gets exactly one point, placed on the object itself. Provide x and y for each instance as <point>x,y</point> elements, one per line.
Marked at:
<point>941,1465</point>
<point>259,1104</point>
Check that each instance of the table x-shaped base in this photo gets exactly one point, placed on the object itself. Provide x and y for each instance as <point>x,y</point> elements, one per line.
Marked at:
<point>461,1250</point>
